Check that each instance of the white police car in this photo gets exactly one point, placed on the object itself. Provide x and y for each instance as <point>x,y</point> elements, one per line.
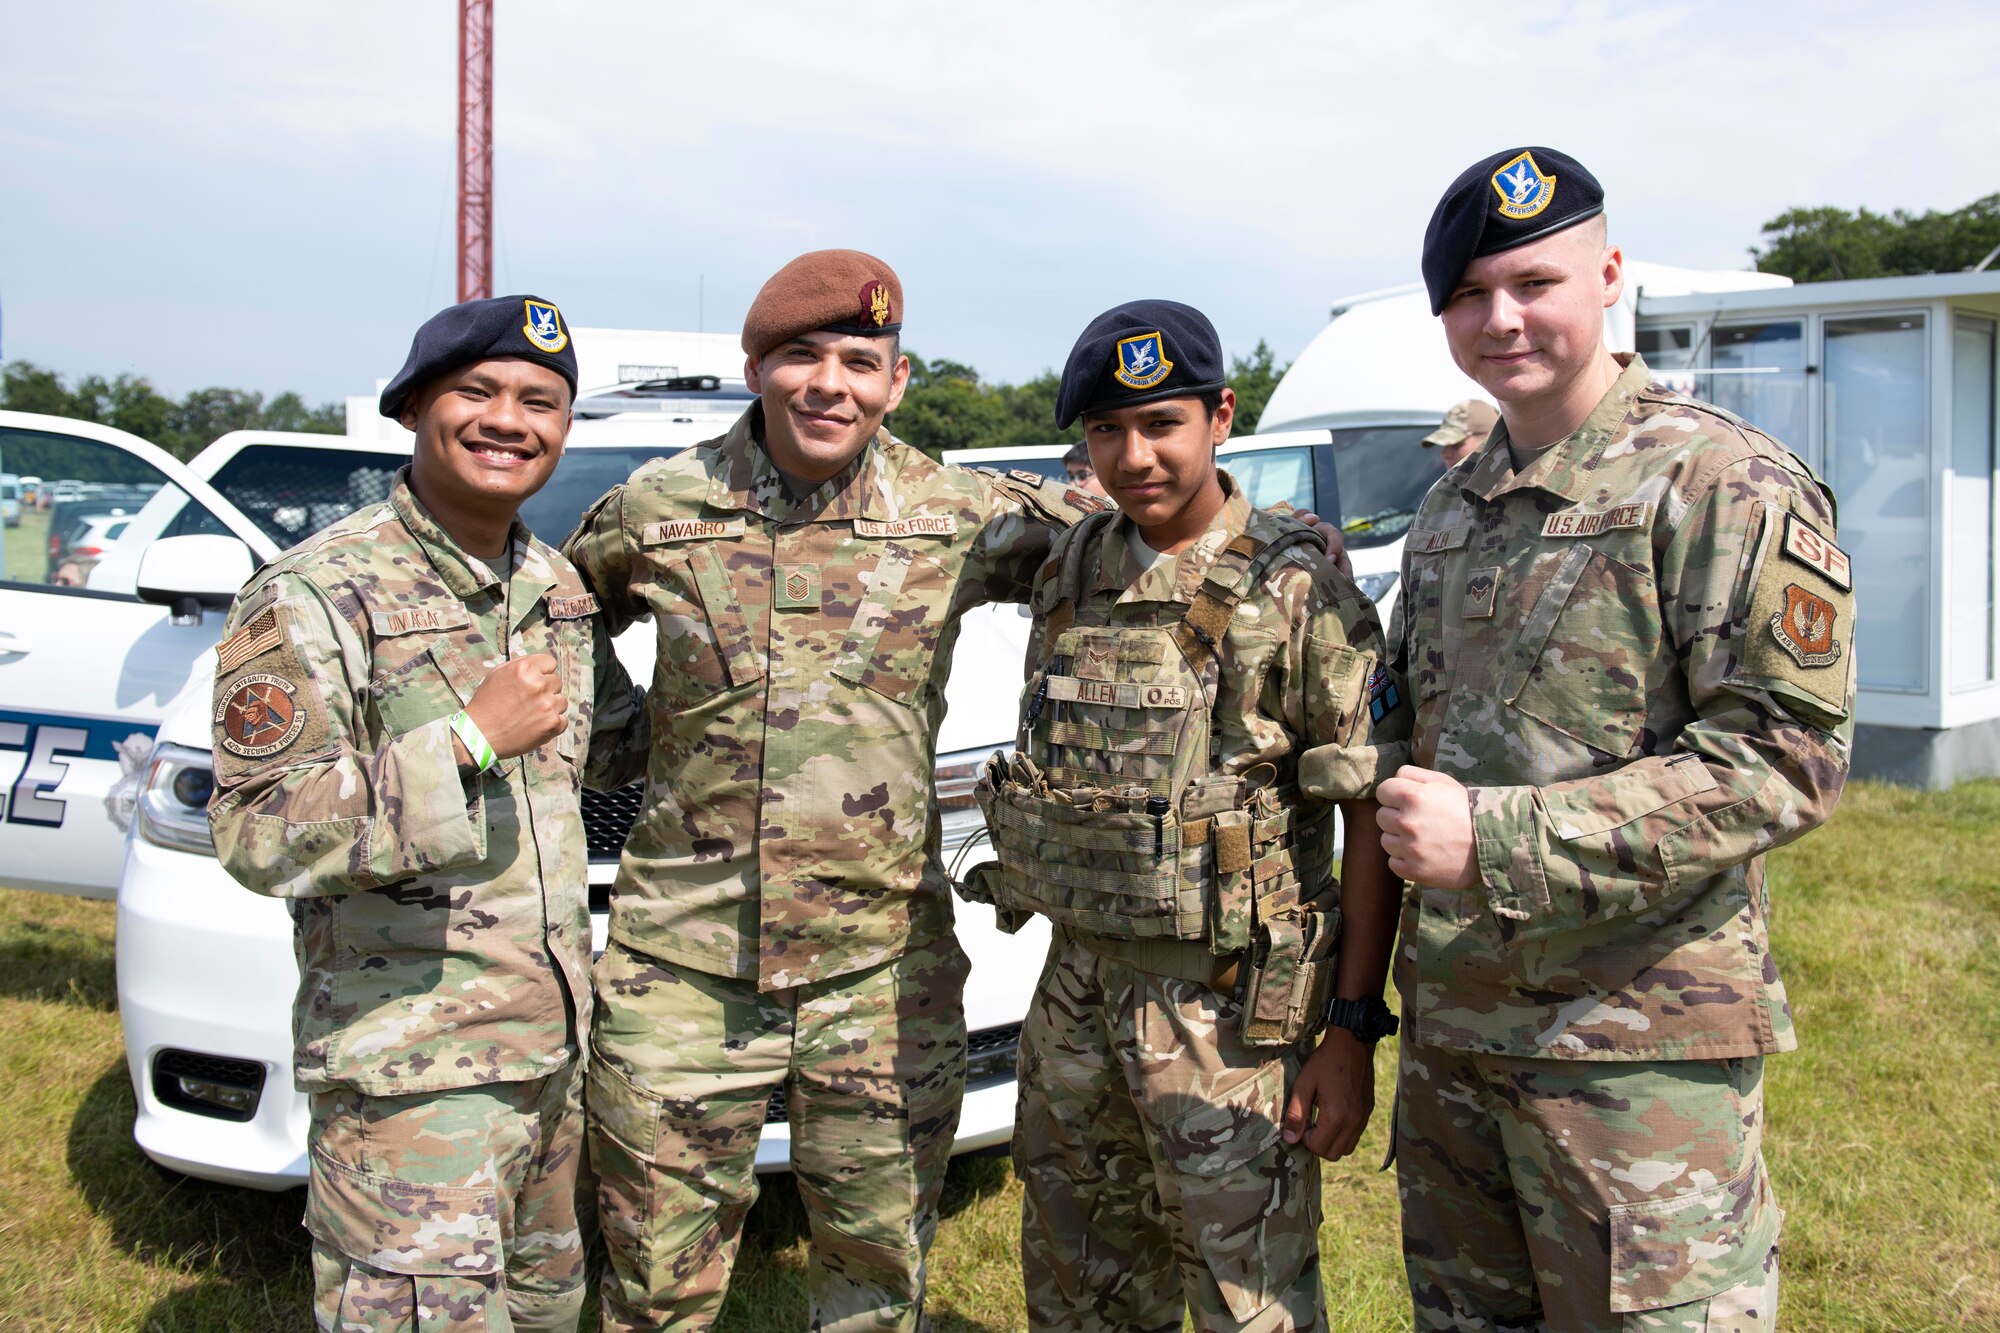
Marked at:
<point>115,678</point>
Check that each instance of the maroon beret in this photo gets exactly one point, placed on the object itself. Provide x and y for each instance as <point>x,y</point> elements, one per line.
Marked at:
<point>839,291</point>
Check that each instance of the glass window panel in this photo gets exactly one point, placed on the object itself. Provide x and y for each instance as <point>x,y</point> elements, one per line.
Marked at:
<point>1877,458</point>
<point>85,485</point>
<point>1269,476</point>
<point>1760,375</point>
<point>1668,347</point>
<point>1969,501</point>
<point>1384,474</point>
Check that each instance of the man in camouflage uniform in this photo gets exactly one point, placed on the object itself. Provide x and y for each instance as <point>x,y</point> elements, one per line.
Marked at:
<point>1187,653</point>
<point>781,919</point>
<point>1627,632</point>
<point>405,712</point>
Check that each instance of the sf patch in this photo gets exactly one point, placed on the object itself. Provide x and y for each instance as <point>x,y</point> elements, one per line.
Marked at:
<point>1524,191</point>
<point>1795,630</point>
<point>1142,361</point>
<point>545,327</point>
<point>260,714</point>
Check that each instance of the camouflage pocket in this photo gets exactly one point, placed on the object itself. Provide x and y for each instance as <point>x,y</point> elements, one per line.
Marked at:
<point>1670,1252</point>
<point>402,1226</point>
<point>1582,663</point>
<point>1250,1205</point>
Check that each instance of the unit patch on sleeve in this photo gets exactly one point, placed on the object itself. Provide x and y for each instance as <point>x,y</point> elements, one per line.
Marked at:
<point>1795,631</point>
<point>260,714</point>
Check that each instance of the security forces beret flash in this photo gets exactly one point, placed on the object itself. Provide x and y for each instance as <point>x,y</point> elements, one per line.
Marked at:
<point>836,291</point>
<point>1137,353</point>
<point>523,326</point>
<point>1510,199</point>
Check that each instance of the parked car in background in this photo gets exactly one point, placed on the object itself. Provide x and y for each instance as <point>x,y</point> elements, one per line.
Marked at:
<point>10,500</point>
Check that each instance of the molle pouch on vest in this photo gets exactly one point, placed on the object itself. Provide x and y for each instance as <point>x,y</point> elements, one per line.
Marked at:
<point>1232,897</point>
<point>1291,974</point>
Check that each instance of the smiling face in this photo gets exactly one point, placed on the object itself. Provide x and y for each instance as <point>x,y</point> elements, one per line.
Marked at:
<point>1157,463</point>
<point>1526,323</point>
<point>488,436</point>
<point>824,397</point>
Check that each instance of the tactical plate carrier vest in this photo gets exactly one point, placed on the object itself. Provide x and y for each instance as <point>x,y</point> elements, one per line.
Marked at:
<point>1113,818</point>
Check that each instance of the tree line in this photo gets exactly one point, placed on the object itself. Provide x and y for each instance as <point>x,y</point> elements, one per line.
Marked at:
<point>183,428</point>
<point>949,405</point>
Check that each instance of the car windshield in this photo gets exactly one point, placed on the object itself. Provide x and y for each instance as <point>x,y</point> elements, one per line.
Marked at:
<point>1384,473</point>
<point>292,492</point>
<point>553,512</point>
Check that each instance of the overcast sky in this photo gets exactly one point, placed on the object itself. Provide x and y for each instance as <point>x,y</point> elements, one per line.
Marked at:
<point>259,194</point>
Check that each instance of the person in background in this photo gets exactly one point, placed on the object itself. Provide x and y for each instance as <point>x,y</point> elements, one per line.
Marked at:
<point>1465,428</point>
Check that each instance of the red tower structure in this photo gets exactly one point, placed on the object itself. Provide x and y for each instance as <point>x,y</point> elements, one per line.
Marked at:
<point>475,149</point>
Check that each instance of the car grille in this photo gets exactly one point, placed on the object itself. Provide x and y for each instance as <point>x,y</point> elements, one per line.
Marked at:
<point>989,1059</point>
<point>607,818</point>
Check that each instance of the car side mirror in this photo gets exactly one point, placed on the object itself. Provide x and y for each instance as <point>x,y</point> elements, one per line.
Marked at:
<point>194,574</point>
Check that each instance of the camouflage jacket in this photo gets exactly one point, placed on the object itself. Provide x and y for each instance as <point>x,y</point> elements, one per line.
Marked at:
<point>443,921</point>
<point>1637,653</point>
<point>789,831</point>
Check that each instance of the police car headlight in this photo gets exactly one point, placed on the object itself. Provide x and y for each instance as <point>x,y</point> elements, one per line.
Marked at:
<point>173,807</point>
<point>1377,586</point>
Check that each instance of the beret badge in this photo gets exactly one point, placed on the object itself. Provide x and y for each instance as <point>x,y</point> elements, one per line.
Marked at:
<point>1142,361</point>
<point>875,302</point>
<point>1524,191</point>
<point>544,327</point>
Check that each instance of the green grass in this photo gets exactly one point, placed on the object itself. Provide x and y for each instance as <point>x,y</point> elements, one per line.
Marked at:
<point>27,547</point>
<point>1884,1138</point>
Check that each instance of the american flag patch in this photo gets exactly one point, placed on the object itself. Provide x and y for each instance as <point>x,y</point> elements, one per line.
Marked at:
<point>261,635</point>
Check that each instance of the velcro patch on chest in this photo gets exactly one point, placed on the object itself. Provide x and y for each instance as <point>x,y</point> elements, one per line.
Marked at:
<point>916,525</point>
<point>1804,544</point>
<point>1591,522</point>
<point>1482,587</point>
<point>689,530</point>
<point>415,619</point>
<point>1084,500</point>
<point>1116,694</point>
<point>798,588</point>
<point>572,608</point>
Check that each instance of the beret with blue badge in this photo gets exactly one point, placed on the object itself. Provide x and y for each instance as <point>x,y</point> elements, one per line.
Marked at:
<point>1139,352</point>
<point>523,326</point>
<point>1509,199</point>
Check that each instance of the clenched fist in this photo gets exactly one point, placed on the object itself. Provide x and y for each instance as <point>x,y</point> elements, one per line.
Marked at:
<point>1426,825</point>
<point>520,707</point>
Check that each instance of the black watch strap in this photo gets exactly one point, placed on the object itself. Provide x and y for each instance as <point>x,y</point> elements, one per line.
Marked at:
<point>1369,1020</point>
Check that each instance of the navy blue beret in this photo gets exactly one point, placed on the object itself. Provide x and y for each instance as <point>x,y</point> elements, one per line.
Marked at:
<point>1509,199</point>
<point>523,326</point>
<point>1136,353</point>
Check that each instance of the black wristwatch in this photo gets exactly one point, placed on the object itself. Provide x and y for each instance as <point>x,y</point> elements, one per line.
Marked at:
<point>1369,1020</point>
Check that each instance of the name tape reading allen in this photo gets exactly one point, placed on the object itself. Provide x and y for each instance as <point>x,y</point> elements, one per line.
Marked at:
<point>1118,694</point>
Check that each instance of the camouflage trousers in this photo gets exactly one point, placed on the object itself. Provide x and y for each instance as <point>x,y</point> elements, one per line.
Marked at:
<point>1147,1142</point>
<point>1585,1197</point>
<point>425,1208</point>
<point>872,1065</point>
